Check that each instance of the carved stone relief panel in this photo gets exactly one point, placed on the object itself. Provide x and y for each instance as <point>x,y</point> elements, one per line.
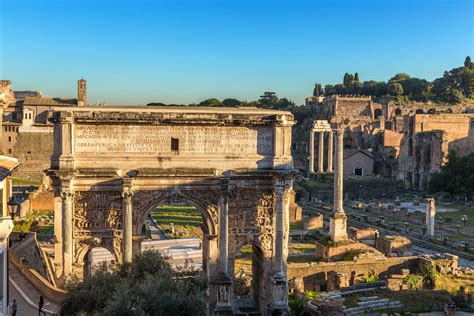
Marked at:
<point>251,218</point>
<point>97,211</point>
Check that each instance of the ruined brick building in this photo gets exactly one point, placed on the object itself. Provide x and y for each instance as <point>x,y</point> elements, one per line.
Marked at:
<point>408,142</point>
<point>26,132</point>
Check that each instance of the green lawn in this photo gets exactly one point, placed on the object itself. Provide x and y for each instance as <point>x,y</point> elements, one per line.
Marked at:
<point>44,231</point>
<point>186,220</point>
<point>19,181</point>
<point>456,216</point>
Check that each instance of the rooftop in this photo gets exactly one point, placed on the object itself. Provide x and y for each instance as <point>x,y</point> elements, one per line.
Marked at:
<point>49,101</point>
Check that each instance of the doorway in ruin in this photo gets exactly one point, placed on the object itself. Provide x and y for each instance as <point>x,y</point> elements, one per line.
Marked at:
<point>247,271</point>
<point>176,230</point>
<point>96,258</point>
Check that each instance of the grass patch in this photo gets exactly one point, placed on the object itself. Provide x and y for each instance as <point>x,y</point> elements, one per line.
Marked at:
<point>44,229</point>
<point>19,181</point>
<point>186,219</point>
<point>452,283</point>
<point>296,225</point>
<point>301,248</point>
<point>456,216</point>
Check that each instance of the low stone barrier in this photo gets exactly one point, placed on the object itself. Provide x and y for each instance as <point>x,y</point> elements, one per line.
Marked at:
<point>52,293</point>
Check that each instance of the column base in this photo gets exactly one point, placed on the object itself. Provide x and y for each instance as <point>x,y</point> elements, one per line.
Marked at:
<point>280,295</point>
<point>338,226</point>
<point>224,301</point>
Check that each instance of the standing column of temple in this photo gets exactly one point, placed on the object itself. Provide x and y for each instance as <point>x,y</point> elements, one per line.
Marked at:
<point>321,152</point>
<point>127,226</point>
<point>67,209</point>
<point>338,219</point>
<point>330,151</point>
<point>311,151</point>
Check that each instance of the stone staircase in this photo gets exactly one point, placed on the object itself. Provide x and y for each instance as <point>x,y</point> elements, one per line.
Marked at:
<point>371,303</point>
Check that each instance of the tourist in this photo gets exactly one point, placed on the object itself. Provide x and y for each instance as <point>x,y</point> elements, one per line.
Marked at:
<point>14,307</point>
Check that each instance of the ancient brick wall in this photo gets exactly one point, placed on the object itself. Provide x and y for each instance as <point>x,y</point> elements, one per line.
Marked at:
<point>33,150</point>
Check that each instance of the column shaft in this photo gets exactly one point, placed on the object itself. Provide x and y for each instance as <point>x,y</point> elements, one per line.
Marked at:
<point>127,226</point>
<point>311,151</point>
<point>279,223</point>
<point>224,232</point>
<point>321,152</point>
<point>339,173</point>
<point>330,151</point>
<point>67,232</point>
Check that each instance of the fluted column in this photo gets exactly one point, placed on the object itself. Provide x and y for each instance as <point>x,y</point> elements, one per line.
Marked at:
<point>330,151</point>
<point>311,151</point>
<point>127,226</point>
<point>321,152</point>
<point>67,210</point>
<point>338,219</point>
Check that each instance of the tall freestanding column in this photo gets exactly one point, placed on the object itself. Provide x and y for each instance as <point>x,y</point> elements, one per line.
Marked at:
<point>321,152</point>
<point>67,210</point>
<point>311,151</point>
<point>430,216</point>
<point>223,282</point>
<point>127,226</point>
<point>330,150</point>
<point>338,219</point>
<point>279,305</point>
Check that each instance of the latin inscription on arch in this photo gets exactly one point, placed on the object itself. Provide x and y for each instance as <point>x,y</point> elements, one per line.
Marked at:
<point>157,139</point>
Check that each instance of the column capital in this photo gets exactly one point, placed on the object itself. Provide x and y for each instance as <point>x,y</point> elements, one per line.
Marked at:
<point>66,194</point>
<point>128,194</point>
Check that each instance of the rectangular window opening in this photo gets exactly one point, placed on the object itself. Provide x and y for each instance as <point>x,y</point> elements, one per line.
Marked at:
<point>358,171</point>
<point>175,145</point>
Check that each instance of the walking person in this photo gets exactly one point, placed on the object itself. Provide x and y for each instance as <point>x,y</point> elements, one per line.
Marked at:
<point>40,306</point>
<point>14,307</point>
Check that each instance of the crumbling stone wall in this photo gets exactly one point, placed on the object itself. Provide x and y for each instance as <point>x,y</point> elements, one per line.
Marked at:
<point>315,275</point>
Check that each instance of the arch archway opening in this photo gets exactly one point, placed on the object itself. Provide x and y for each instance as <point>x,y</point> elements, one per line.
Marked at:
<point>247,272</point>
<point>97,258</point>
<point>176,229</point>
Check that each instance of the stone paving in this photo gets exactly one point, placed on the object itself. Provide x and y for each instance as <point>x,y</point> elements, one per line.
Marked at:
<point>24,307</point>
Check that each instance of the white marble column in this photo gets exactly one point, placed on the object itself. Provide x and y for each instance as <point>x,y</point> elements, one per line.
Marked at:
<point>330,151</point>
<point>321,152</point>
<point>338,219</point>
<point>127,226</point>
<point>311,151</point>
<point>67,210</point>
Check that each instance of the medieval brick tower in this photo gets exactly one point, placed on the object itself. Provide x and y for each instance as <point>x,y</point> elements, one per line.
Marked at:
<point>81,92</point>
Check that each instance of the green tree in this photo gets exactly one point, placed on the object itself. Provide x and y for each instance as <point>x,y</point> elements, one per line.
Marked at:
<point>147,286</point>
<point>268,99</point>
<point>356,77</point>
<point>395,89</point>
<point>318,90</point>
<point>210,102</point>
<point>400,76</point>
<point>231,102</point>
<point>468,62</point>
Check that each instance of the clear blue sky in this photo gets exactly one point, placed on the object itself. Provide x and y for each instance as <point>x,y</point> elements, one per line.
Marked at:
<point>135,52</point>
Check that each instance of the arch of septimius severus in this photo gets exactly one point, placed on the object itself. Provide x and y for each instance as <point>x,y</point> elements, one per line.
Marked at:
<point>113,165</point>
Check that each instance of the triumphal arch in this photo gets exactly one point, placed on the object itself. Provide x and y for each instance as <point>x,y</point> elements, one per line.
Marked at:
<point>112,165</point>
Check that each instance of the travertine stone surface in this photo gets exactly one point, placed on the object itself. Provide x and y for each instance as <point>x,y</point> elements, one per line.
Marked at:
<point>112,166</point>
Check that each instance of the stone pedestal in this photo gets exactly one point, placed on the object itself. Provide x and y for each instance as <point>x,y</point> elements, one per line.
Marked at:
<point>279,306</point>
<point>338,226</point>
<point>224,302</point>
